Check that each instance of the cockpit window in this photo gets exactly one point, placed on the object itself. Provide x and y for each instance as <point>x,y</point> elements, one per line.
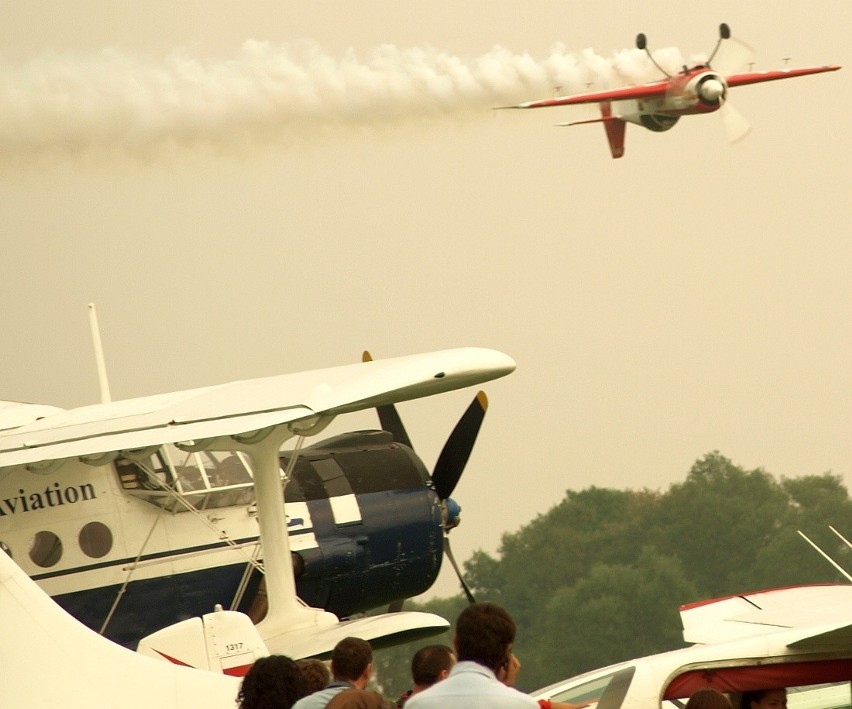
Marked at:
<point>204,479</point>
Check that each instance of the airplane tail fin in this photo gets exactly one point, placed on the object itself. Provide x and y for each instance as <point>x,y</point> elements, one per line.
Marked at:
<point>86,670</point>
<point>613,125</point>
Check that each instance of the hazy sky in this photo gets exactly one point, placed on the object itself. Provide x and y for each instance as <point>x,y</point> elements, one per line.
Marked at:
<point>250,188</point>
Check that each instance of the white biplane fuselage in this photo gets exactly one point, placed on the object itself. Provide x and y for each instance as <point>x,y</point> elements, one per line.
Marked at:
<point>86,531</point>
<point>165,499</point>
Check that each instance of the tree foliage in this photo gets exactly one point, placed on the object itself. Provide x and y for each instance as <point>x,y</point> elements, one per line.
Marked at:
<point>599,577</point>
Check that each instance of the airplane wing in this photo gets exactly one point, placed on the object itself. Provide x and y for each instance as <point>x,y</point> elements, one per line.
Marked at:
<point>758,77</point>
<point>818,610</point>
<point>645,91</point>
<point>14,414</point>
<point>380,631</point>
<point>658,89</point>
<point>227,641</point>
<point>244,406</point>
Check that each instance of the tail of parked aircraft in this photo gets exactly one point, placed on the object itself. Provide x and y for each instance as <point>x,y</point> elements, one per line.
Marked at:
<point>49,660</point>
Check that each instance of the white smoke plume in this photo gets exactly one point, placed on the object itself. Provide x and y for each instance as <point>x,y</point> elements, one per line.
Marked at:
<point>110,100</point>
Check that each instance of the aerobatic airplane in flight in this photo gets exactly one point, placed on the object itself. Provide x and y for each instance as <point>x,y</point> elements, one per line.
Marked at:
<point>659,105</point>
<point>136,514</point>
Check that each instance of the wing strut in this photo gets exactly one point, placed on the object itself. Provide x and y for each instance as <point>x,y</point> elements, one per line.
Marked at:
<point>286,612</point>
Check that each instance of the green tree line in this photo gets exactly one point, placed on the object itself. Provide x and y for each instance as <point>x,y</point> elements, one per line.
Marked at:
<point>599,577</point>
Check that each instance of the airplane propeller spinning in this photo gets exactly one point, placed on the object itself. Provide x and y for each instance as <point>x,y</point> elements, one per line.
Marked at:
<point>713,89</point>
<point>659,105</point>
<point>448,468</point>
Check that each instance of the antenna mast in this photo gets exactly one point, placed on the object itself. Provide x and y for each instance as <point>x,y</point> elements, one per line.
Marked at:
<point>99,355</point>
<point>826,556</point>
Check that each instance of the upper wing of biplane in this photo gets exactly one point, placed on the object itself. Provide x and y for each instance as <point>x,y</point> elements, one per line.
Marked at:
<point>244,406</point>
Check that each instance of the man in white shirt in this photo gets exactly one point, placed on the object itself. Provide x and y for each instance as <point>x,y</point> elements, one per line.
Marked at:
<point>483,642</point>
<point>351,667</point>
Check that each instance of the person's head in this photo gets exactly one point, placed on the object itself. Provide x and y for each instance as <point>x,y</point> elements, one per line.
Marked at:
<point>484,634</point>
<point>431,664</point>
<point>357,699</point>
<point>315,674</point>
<point>765,699</point>
<point>352,661</point>
<point>708,698</point>
<point>273,682</point>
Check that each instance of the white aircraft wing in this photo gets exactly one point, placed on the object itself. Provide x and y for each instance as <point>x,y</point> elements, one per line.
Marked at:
<point>244,406</point>
<point>14,414</point>
<point>817,610</point>
<point>379,630</point>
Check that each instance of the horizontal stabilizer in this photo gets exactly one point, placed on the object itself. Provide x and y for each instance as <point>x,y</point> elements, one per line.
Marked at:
<point>590,120</point>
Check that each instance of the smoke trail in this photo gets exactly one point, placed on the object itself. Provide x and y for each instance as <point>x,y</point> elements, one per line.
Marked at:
<point>111,100</point>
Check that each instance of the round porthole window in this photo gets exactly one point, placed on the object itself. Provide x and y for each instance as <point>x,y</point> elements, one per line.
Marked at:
<point>46,549</point>
<point>95,539</point>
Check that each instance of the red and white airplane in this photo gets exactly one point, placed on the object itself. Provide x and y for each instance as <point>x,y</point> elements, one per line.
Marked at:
<point>659,105</point>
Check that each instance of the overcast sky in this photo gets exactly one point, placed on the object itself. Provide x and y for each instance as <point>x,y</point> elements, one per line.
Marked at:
<point>251,188</point>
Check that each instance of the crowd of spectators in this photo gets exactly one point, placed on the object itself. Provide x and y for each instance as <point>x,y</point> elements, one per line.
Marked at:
<point>479,672</point>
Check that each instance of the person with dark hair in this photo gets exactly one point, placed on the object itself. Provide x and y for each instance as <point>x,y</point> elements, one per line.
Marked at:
<point>708,698</point>
<point>429,665</point>
<point>508,674</point>
<point>272,682</point>
<point>483,641</point>
<point>765,699</point>
<point>351,666</point>
<point>359,699</point>
<point>315,673</point>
